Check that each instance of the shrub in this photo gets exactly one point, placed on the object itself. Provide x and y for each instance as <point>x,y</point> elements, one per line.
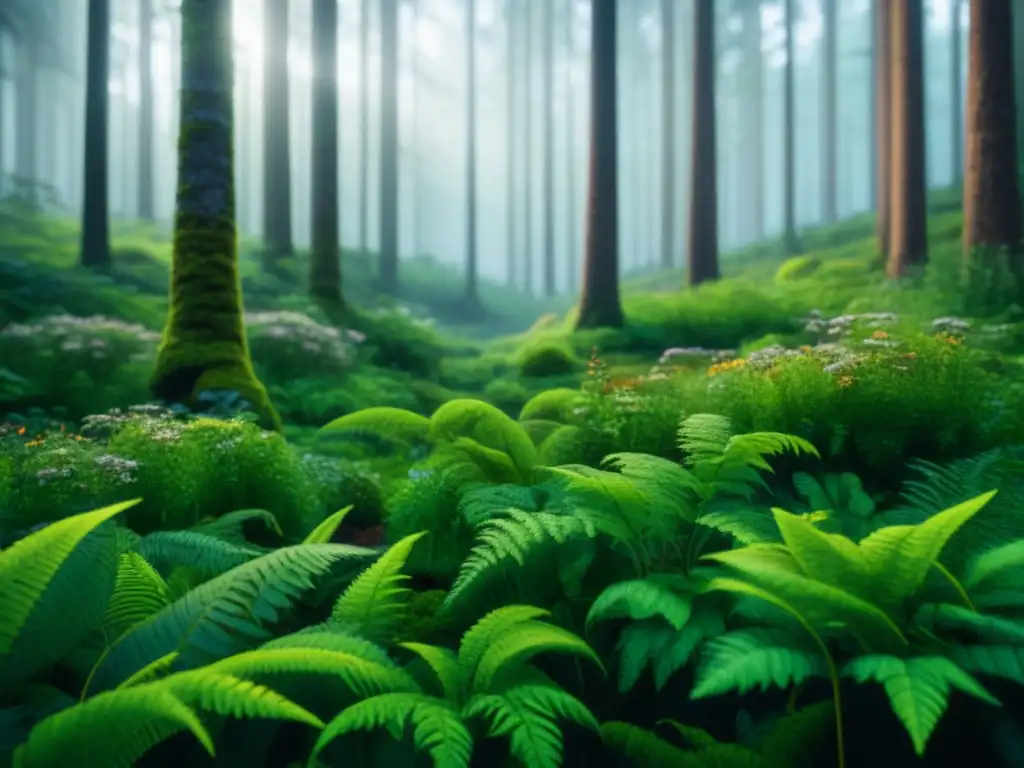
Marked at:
<point>797,268</point>
<point>561,404</point>
<point>507,394</point>
<point>548,357</point>
<point>288,345</point>
<point>398,341</point>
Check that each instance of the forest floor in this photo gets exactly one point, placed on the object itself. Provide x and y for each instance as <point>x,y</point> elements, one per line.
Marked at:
<point>877,377</point>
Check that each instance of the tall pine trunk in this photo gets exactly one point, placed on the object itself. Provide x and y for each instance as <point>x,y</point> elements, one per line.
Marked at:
<point>95,249</point>
<point>992,198</point>
<point>389,148</point>
<point>668,133</point>
<point>702,238</point>
<point>883,123</point>
<point>277,173</point>
<point>755,124</point>
<point>548,148</point>
<point>956,100</point>
<point>908,244</point>
<point>364,125</point>
<point>572,263</point>
<point>829,100</point>
<point>599,300</point>
<point>511,167</point>
<point>204,346</point>
<point>325,253</point>
<point>26,156</point>
<point>528,148</point>
<point>792,244</point>
<point>145,169</point>
<point>471,263</point>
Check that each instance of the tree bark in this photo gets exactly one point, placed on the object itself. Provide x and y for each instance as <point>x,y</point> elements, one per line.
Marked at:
<point>908,245</point>
<point>389,148</point>
<point>277,174</point>
<point>792,244</point>
<point>702,245</point>
<point>528,148</point>
<point>325,253</point>
<point>95,248</point>
<point>668,133</point>
<point>548,98</point>
<point>992,198</point>
<point>204,347</point>
<point>883,123</point>
<point>145,170</point>
<point>572,263</point>
<point>755,126</point>
<point>26,157</point>
<point>599,301</point>
<point>830,85</point>
<point>364,125</point>
<point>471,265</point>
<point>956,100</point>
<point>511,187</point>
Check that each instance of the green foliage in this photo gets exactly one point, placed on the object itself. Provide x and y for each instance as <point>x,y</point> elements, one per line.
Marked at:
<point>548,356</point>
<point>797,268</point>
<point>557,405</point>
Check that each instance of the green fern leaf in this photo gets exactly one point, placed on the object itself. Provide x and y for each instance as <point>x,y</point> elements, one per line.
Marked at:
<point>901,556</point>
<point>643,599</point>
<point>667,485</point>
<point>324,532</point>
<point>756,658</point>
<point>230,527</point>
<point>139,592</point>
<point>225,615</point>
<point>644,749</point>
<point>376,601</point>
<point>520,643</point>
<point>744,524</point>
<point>113,729</point>
<point>826,557</point>
<point>445,665</point>
<point>207,555</point>
<point>437,729</point>
<point>332,637</point>
<point>944,619</point>
<point>918,689</point>
<point>479,638</point>
<point>28,567</point>
<point>998,569</point>
<point>703,437</point>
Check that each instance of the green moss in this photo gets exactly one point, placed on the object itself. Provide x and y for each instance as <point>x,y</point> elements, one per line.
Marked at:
<point>548,357</point>
<point>553,405</point>
<point>797,268</point>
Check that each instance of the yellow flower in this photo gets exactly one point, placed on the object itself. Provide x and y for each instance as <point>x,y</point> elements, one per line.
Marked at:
<point>845,381</point>
<point>879,335</point>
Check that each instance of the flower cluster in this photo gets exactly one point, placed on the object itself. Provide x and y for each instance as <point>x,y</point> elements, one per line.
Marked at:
<point>156,420</point>
<point>286,342</point>
<point>842,326</point>
<point>95,338</point>
<point>727,365</point>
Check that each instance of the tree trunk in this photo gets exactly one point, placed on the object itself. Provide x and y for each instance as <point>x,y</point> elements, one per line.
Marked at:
<point>755,127</point>
<point>277,197</point>
<point>548,99</point>
<point>599,301</point>
<point>389,148</point>
<point>26,157</point>
<point>204,347</point>
<point>702,241</point>
<point>668,133</point>
<point>145,170</point>
<point>414,118</point>
<point>792,244</point>
<point>830,125</point>
<point>528,148</point>
<point>572,264</point>
<point>883,123</point>
<point>471,265</point>
<point>908,245</point>
<point>511,187</point>
<point>992,200</point>
<point>95,249</point>
<point>956,100</point>
<point>325,255</point>
<point>364,125</point>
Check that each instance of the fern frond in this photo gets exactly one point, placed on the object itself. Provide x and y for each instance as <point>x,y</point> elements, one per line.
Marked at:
<point>139,592</point>
<point>644,749</point>
<point>209,555</point>
<point>995,578</point>
<point>666,485</point>
<point>744,524</point>
<point>332,637</point>
<point>225,615</point>
<point>918,689</point>
<point>112,729</point>
<point>376,601</point>
<point>324,532</point>
<point>703,437</point>
<point>516,536</point>
<point>479,638</point>
<point>230,527</point>
<point>30,564</point>
<point>754,658</point>
<point>437,729</point>
<point>644,598</point>
<point>445,666</point>
<point>998,661</point>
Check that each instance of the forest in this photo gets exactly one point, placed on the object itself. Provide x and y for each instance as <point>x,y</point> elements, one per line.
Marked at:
<point>511,383</point>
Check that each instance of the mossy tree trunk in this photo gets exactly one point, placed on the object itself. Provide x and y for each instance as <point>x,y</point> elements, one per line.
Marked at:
<point>277,169</point>
<point>668,134</point>
<point>389,146</point>
<point>325,253</point>
<point>471,255</point>
<point>145,169</point>
<point>792,243</point>
<point>908,238</point>
<point>548,148</point>
<point>882,98</point>
<point>599,300</point>
<point>992,204</point>
<point>204,347</point>
<point>702,232</point>
<point>95,247</point>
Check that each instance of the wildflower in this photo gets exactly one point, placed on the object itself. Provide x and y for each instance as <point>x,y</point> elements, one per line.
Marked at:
<point>879,334</point>
<point>845,381</point>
